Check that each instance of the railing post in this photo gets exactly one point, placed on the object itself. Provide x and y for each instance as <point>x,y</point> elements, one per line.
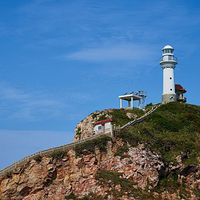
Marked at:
<point>111,131</point>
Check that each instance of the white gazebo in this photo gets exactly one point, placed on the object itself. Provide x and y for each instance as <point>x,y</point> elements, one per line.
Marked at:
<point>130,98</point>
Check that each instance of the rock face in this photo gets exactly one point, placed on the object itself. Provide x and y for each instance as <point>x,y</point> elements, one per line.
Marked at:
<point>85,128</point>
<point>58,178</point>
<point>123,167</point>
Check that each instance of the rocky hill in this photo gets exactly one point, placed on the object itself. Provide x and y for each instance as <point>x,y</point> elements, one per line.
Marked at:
<point>156,159</point>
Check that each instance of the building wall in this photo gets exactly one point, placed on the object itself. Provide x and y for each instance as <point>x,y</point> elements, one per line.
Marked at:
<point>98,128</point>
<point>168,81</point>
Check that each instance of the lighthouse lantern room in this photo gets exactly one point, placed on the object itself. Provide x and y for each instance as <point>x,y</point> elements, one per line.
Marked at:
<point>168,63</point>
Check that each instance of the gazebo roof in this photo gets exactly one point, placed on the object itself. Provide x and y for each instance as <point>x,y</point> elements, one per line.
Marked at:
<point>128,97</point>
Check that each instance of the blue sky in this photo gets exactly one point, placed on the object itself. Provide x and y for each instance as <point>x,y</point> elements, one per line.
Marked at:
<point>60,60</point>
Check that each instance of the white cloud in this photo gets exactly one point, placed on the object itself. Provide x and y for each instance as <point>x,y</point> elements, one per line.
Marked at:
<point>29,105</point>
<point>113,53</point>
<point>37,104</point>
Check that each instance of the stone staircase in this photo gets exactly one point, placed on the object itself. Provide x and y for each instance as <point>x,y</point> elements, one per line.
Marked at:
<point>138,120</point>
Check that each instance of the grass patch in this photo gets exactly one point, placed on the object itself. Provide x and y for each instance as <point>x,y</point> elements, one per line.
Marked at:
<point>122,150</point>
<point>171,184</point>
<point>78,132</point>
<point>71,196</point>
<point>58,154</point>
<point>173,129</point>
<point>38,158</point>
<point>110,178</point>
<point>90,145</point>
<point>9,175</point>
<point>120,117</point>
<point>104,176</point>
<point>102,117</point>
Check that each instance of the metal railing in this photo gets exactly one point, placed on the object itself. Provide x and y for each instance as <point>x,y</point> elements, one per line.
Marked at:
<point>136,121</point>
<point>168,58</point>
<point>69,146</point>
<point>46,152</point>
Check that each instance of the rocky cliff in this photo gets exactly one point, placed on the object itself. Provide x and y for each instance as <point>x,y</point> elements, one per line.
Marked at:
<point>156,159</point>
<point>85,128</point>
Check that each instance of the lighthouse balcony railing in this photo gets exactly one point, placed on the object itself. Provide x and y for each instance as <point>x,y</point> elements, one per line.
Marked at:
<point>164,58</point>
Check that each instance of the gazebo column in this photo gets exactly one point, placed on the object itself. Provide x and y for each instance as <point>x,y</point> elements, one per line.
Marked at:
<point>139,103</point>
<point>128,103</point>
<point>131,102</point>
<point>121,106</point>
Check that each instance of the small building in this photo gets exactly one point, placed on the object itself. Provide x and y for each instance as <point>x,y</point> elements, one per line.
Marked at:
<point>103,126</point>
<point>179,90</point>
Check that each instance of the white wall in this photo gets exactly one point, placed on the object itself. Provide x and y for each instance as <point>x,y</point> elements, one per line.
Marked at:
<point>107,127</point>
<point>168,81</point>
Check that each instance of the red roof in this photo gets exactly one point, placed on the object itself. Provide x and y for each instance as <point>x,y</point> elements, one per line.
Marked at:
<point>178,87</point>
<point>103,121</point>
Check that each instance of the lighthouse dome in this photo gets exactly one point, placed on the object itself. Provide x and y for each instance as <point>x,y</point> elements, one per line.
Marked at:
<point>168,47</point>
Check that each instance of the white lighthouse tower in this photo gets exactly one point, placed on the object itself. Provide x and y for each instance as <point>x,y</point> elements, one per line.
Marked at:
<point>168,63</point>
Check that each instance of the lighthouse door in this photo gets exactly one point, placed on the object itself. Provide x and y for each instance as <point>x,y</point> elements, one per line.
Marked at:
<point>171,98</point>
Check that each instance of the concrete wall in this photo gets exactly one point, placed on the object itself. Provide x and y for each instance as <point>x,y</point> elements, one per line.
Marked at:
<point>168,81</point>
<point>106,128</point>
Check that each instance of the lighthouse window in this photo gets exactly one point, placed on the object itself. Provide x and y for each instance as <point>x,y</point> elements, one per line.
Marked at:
<point>167,51</point>
<point>99,128</point>
<point>171,89</point>
<point>170,78</point>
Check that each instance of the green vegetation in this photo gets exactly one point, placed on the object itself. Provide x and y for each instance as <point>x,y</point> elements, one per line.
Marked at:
<point>9,175</point>
<point>78,132</point>
<point>171,184</point>
<point>71,196</point>
<point>92,196</point>
<point>120,117</point>
<point>148,107</point>
<point>104,176</point>
<point>58,154</point>
<point>90,145</point>
<point>103,117</point>
<point>38,158</point>
<point>121,151</point>
<point>111,178</point>
<point>172,130</point>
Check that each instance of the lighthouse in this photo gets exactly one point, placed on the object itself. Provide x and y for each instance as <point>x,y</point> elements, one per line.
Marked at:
<point>168,63</point>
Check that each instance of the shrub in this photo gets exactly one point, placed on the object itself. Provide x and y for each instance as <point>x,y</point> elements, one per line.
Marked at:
<point>90,145</point>
<point>104,176</point>
<point>91,195</point>
<point>103,117</point>
<point>171,184</point>
<point>71,196</point>
<point>38,158</point>
<point>9,175</point>
<point>120,117</point>
<point>58,154</point>
<point>78,132</point>
<point>121,150</point>
<point>170,131</point>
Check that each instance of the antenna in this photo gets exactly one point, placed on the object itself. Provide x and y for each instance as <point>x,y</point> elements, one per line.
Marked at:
<point>143,95</point>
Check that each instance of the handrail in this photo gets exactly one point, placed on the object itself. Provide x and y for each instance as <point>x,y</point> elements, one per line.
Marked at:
<point>136,121</point>
<point>47,152</point>
<point>70,145</point>
<point>173,58</point>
